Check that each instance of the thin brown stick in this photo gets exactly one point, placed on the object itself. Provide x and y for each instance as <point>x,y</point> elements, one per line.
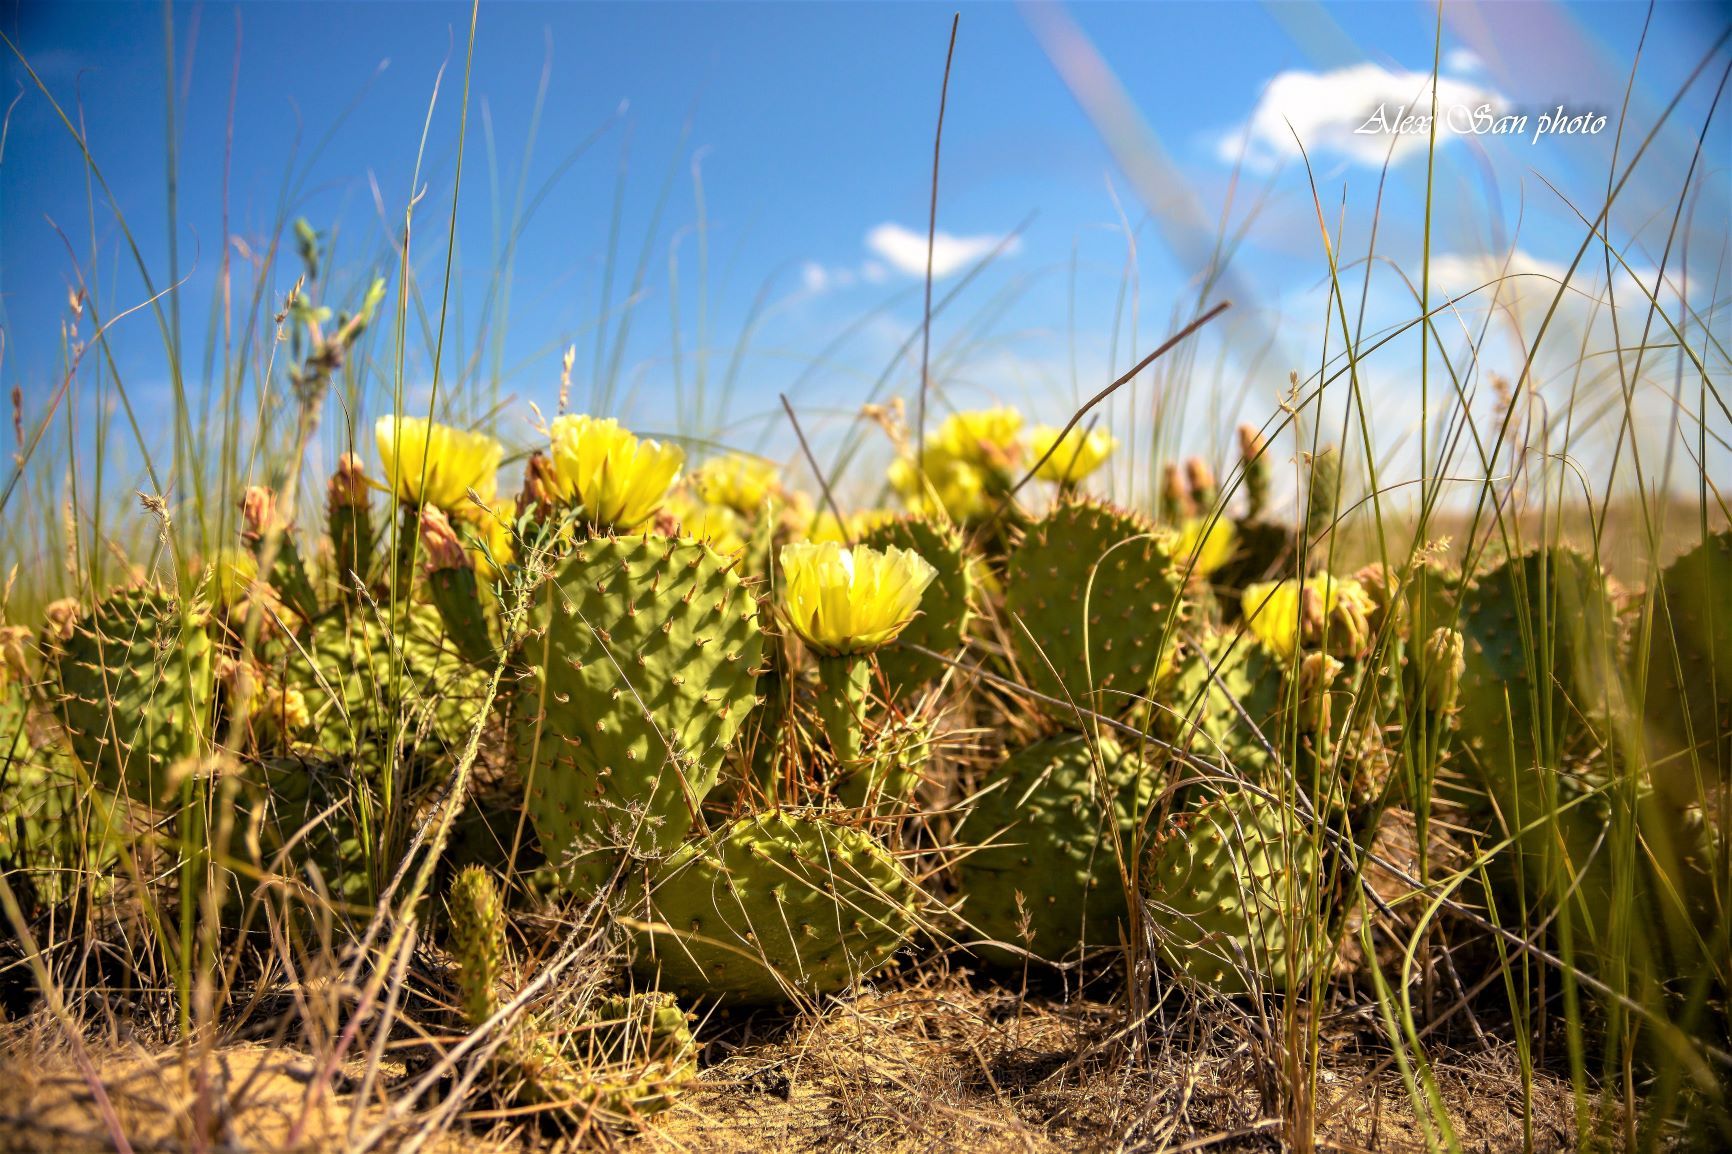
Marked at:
<point>811,459</point>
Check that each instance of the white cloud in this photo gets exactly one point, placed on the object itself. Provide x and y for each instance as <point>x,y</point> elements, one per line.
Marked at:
<point>814,277</point>
<point>1462,60</point>
<point>1352,113</point>
<point>905,250</point>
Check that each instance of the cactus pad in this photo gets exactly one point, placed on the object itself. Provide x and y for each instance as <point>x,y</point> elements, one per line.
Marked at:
<point>772,906</point>
<point>642,667</point>
<point>133,686</point>
<point>943,621</point>
<point>1224,882</point>
<point>1050,844</point>
<point>1689,677</point>
<point>1093,603</point>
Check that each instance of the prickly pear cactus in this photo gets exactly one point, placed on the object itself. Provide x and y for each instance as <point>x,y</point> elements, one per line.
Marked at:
<point>132,684</point>
<point>772,907</point>
<point>315,815</point>
<point>477,942</point>
<point>1540,661</point>
<point>943,621</point>
<point>1093,606</point>
<point>1213,716</point>
<point>1050,865</point>
<point>1688,695</point>
<point>1227,883</point>
<point>368,687</point>
<point>642,666</point>
<point>644,1042</point>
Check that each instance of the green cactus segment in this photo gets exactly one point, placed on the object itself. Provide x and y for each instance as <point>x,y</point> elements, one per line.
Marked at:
<point>642,667</point>
<point>133,688</point>
<point>1094,606</point>
<point>368,688</point>
<point>1688,696</point>
<point>1227,884</point>
<point>54,833</point>
<point>1047,877</point>
<point>771,907</point>
<point>1234,715</point>
<point>1323,492</point>
<point>477,942</point>
<point>456,594</point>
<point>944,609</point>
<point>1540,662</point>
<point>892,770</point>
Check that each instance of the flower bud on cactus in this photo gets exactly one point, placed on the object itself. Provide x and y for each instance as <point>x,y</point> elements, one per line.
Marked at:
<point>1201,480</point>
<point>452,584</point>
<point>349,519</point>
<point>266,533</point>
<point>1317,674</point>
<point>1441,664</point>
<point>1254,457</point>
<point>16,641</point>
<point>1323,492</point>
<point>1176,502</point>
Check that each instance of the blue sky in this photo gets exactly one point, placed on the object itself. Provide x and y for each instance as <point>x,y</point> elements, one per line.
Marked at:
<point>813,126</point>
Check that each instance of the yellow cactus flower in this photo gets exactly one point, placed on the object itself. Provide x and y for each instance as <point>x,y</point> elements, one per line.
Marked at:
<point>1077,455</point>
<point>618,480</point>
<point>717,524</point>
<point>1285,613</point>
<point>739,482</point>
<point>1210,540</point>
<point>948,486</point>
<point>233,573</point>
<point>985,438</point>
<point>843,601</point>
<point>433,464</point>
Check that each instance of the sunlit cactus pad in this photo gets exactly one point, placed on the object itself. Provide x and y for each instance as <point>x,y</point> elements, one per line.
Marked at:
<point>641,668</point>
<point>1048,878</point>
<point>944,608</point>
<point>1228,885</point>
<point>772,907</point>
<point>371,684</point>
<point>1093,606</point>
<point>133,688</point>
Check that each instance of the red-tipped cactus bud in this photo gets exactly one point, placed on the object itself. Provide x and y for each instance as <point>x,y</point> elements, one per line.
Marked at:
<point>259,515</point>
<point>540,493</point>
<point>439,542</point>
<point>1253,453</point>
<point>1442,661</point>
<point>1176,502</point>
<point>1201,478</point>
<point>349,487</point>
<point>1313,617</point>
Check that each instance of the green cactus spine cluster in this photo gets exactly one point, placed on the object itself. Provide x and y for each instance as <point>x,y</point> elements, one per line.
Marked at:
<point>770,907</point>
<point>1094,606</point>
<point>1688,694</point>
<point>641,666</point>
<point>1226,886</point>
<point>1047,877</point>
<point>944,609</point>
<point>132,685</point>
